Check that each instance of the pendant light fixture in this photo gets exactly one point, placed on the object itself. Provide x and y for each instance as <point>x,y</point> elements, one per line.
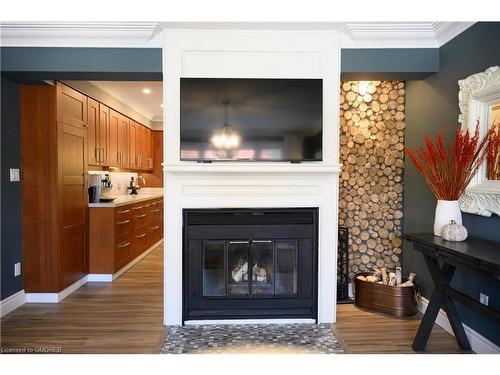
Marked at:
<point>226,139</point>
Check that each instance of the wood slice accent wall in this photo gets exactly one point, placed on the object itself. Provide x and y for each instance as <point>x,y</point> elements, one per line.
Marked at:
<point>372,127</point>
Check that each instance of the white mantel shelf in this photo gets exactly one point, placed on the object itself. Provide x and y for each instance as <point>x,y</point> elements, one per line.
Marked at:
<point>226,167</point>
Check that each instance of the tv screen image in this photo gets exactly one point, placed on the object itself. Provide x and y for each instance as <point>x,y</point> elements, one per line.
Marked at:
<point>251,119</point>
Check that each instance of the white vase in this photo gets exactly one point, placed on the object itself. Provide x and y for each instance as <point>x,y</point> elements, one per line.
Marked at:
<point>445,212</point>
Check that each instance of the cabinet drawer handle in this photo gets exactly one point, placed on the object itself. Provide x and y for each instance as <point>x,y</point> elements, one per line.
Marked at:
<point>101,154</point>
<point>139,216</point>
<point>137,208</point>
<point>124,245</point>
<point>157,210</point>
<point>155,228</point>
<point>123,222</point>
<point>141,235</point>
<point>123,212</point>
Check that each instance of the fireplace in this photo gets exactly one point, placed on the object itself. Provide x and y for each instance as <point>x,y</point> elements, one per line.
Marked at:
<point>250,263</point>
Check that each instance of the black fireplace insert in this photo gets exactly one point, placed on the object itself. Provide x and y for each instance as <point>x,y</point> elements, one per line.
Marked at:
<point>250,263</point>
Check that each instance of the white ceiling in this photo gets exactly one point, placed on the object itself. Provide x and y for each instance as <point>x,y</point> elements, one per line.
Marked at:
<point>130,93</point>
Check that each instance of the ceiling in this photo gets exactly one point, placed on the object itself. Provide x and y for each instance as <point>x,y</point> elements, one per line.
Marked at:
<point>131,94</point>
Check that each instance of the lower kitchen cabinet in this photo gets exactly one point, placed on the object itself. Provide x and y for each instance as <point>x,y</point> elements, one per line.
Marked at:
<point>118,235</point>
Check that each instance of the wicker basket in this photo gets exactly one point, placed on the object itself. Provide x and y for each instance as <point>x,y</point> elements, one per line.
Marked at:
<point>392,300</point>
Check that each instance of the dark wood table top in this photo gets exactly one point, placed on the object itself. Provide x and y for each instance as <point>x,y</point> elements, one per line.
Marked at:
<point>472,249</point>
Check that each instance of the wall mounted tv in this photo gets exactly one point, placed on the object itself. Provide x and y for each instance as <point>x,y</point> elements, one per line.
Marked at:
<point>251,119</point>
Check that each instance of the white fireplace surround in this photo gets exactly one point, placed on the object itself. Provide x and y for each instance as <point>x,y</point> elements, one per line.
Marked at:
<point>251,54</point>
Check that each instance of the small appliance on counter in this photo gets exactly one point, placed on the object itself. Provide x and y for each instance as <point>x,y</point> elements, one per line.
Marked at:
<point>134,184</point>
<point>94,188</point>
<point>133,187</point>
<point>99,188</point>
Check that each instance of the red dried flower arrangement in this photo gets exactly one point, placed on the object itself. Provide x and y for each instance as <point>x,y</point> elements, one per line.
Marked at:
<point>448,170</point>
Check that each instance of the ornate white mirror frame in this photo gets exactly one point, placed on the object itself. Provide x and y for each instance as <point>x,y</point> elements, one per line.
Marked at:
<point>477,93</point>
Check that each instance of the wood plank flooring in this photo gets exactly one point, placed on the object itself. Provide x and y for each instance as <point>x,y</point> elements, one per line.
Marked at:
<point>126,317</point>
<point>364,332</point>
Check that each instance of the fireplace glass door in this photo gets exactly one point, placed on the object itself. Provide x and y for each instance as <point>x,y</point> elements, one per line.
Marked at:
<point>238,266</point>
<point>263,267</point>
<point>257,268</point>
<point>214,284</point>
<point>241,263</point>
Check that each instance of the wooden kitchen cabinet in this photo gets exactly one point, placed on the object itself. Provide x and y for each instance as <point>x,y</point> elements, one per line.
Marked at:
<point>114,140</point>
<point>118,140</point>
<point>148,149</point>
<point>71,106</point>
<point>103,135</point>
<point>123,141</point>
<point>54,164</point>
<point>118,235</point>
<point>114,122</point>
<point>136,145</point>
<point>98,133</point>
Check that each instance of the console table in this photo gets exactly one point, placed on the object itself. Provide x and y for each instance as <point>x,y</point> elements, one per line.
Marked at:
<point>474,253</point>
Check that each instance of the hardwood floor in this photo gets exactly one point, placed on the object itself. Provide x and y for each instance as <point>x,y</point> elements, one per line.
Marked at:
<point>364,332</point>
<point>126,317</point>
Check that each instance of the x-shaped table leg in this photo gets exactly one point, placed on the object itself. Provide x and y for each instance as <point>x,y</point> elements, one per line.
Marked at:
<point>441,278</point>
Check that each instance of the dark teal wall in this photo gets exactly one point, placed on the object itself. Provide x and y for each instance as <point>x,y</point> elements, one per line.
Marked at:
<point>430,105</point>
<point>11,248</point>
<point>27,64</point>
<point>389,63</point>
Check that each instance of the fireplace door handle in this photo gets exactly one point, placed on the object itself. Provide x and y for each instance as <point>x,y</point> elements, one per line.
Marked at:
<point>235,242</point>
<point>262,241</point>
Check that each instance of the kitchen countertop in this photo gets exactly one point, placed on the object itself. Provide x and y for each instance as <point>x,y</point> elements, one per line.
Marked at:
<point>122,200</point>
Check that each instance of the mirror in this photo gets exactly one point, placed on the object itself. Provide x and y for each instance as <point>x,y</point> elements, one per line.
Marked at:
<point>479,100</point>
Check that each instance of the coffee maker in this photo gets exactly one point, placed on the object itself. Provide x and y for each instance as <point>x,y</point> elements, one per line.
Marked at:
<point>94,188</point>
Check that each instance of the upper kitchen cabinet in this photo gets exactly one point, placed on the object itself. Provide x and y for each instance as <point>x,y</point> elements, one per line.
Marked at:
<point>98,133</point>
<point>147,162</point>
<point>93,132</point>
<point>123,141</point>
<point>118,140</point>
<point>140,146</point>
<point>114,122</point>
<point>135,144</point>
<point>103,132</point>
<point>71,106</point>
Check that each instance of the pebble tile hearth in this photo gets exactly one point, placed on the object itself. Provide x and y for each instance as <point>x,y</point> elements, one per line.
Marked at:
<point>252,338</point>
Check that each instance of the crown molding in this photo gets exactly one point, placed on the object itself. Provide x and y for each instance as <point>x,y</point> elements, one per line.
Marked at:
<point>446,31</point>
<point>401,35</point>
<point>149,34</point>
<point>79,34</point>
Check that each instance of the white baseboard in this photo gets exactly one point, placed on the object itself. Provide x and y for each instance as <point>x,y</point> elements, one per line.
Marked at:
<point>479,344</point>
<point>100,277</point>
<point>12,302</point>
<point>55,297</point>
<point>109,277</point>
<point>248,321</point>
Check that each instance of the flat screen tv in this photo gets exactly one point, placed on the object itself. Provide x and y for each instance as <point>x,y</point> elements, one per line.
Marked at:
<point>230,119</point>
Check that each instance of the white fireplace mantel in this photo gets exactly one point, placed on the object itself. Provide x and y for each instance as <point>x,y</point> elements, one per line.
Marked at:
<point>255,167</point>
<point>251,54</point>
